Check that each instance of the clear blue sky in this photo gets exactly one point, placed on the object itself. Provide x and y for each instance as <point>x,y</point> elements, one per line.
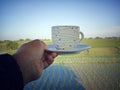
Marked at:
<point>21,19</point>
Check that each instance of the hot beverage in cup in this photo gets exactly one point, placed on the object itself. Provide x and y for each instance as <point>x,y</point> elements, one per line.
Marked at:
<point>66,37</point>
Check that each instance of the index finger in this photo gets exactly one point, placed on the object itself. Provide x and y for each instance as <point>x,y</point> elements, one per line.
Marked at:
<point>48,52</point>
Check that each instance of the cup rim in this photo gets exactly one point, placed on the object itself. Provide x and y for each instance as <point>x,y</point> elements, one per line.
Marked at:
<point>65,26</point>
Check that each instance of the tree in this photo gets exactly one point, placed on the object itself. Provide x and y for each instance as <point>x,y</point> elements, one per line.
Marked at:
<point>21,39</point>
<point>98,37</point>
<point>27,39</point>
<point>12,45</point>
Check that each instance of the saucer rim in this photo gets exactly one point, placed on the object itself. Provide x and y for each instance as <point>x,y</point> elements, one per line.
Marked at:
<point>77,49</point>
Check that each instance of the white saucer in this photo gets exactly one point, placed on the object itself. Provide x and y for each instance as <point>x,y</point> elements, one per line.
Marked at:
<point>78,49</point>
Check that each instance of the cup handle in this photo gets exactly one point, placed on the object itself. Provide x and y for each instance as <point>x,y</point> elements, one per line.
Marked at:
<point>82,36</point>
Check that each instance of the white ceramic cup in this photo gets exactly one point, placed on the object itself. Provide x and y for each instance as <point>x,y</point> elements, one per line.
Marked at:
<point>66,37</point>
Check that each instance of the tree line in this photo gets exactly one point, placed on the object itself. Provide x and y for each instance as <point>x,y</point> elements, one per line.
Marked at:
<point>13,45</point>
<point>49,39</point>
<point>103,37</point>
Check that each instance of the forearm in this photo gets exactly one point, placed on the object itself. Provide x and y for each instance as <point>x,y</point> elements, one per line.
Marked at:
<point>11,76</point>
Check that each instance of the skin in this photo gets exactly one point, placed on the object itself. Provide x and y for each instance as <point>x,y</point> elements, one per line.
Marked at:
<point>33,57</point>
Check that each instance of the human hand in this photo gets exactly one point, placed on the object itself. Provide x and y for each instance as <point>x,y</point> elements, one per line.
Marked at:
<point>32,58</point>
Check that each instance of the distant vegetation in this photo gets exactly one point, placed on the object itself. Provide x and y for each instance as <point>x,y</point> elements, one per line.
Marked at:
<point>12,45</point>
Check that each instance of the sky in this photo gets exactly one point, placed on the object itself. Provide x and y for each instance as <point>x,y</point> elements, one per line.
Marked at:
<point>33,19</point>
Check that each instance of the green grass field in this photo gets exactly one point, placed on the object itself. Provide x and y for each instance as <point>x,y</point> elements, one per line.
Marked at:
<point>98,76</point>
<point>100,48</point>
